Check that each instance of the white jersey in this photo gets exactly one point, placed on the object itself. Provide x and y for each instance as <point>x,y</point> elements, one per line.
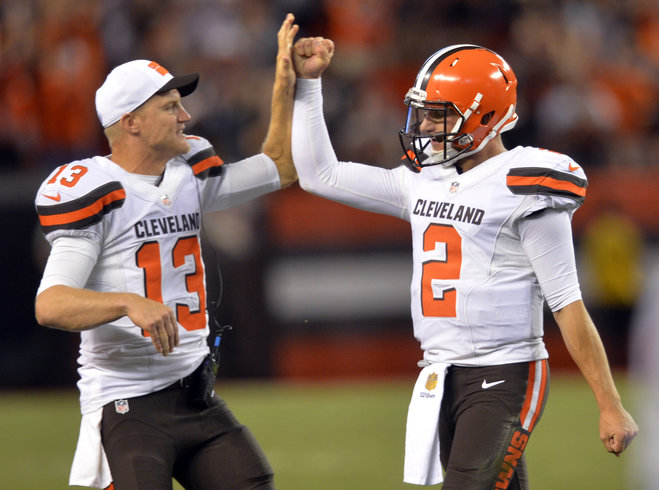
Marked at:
<point>148,238</point>
<point>475,296</point>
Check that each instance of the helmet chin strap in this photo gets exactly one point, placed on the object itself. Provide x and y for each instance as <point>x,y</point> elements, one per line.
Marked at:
<point>451,155</point>
<point>448,157</point>
<point>456,155</point>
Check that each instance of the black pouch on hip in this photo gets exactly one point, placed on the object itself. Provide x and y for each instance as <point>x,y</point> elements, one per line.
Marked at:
<point>202,386</point>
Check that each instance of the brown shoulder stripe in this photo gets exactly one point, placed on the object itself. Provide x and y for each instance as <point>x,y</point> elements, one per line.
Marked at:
<point>541,180</point>
<point>84,211</point>
<point>206,164</point>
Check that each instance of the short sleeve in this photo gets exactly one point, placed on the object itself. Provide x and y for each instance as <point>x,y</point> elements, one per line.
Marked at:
<point>75,198</point>
<point>553,180</point>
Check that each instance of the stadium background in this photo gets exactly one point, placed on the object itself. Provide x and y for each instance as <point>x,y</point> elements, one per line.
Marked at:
<point>316,290</point>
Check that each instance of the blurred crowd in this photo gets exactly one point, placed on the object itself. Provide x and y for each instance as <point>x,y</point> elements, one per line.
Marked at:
<point>587,71</point>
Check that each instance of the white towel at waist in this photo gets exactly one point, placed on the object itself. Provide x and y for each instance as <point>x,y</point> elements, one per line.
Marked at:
<point>90,465</point>
<point>422,465</point>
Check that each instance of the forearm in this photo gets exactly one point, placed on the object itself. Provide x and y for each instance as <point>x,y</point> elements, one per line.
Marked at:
<point>72,309</point>
<point>312,149</point>
<point>585,346</point>
<point>277,143</point>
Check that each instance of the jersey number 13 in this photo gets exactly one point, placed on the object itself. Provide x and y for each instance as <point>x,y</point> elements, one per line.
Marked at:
<point>148,259</point>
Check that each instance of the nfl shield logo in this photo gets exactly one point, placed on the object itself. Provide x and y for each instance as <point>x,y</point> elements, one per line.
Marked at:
<point>454,187</point>
<point>431,382</point>
<point>121,406</point>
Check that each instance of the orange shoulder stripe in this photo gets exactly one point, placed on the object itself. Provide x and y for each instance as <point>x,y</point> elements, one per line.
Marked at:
<point>207,163</point>
<point>542,180</point>
<point>86,212</point>
<point>545,181</point>
<point>76,212</point>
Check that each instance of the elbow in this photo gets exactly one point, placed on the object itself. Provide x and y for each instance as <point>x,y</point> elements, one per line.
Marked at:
<point>311,188</point>
<point>41,313</point>
<point>46,310</point>
<point>307,181</point>
<point>305,185</point>
<point>572,308</point>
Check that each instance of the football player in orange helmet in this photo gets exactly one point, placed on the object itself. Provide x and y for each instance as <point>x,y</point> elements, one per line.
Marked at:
<point>491,243</point>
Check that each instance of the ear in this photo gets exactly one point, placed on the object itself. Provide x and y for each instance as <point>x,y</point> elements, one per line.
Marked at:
<point>130,122</point>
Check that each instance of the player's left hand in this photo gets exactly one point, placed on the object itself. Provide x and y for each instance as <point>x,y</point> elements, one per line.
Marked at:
<point>617,429</point>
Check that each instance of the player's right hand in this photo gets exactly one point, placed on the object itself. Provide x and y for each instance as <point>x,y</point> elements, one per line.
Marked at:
<point>285,36</point>
<point>617,429</point>
<point>156,319</point>
<point>312,55</point>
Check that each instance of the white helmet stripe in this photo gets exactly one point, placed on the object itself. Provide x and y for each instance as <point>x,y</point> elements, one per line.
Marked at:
<point>474,105</point>
<point>505,120</point>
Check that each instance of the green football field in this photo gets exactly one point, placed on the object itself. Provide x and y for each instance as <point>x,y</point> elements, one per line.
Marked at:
<point>336,436</point>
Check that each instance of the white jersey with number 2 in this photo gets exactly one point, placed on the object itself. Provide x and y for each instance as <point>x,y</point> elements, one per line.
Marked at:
<point>481,239</point>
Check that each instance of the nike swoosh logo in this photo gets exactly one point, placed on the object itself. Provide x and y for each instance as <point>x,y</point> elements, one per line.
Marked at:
<point>487,385</point>
<point>55,198</point>
<point>572,168</point>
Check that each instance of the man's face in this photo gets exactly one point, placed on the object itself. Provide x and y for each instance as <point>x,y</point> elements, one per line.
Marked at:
<point>439,121</point>
<point>162,121</point>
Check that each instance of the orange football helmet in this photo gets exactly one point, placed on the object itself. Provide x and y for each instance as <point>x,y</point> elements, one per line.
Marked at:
<point>469,80</point>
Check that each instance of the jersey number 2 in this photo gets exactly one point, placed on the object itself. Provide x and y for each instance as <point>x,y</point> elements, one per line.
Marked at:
<point>438,297</point>
<point>148,258</point>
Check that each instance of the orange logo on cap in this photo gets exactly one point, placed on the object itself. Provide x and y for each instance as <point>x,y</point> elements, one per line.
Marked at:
<point>158,68</point>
